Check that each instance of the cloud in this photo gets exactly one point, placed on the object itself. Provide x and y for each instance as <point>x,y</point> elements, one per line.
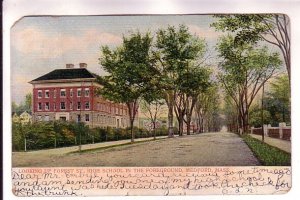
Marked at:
<point>20,87</point>
<point>54,44</point>
<point>208,33</point>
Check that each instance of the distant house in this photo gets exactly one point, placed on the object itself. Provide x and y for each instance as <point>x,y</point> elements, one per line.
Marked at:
<point>25,118</point>
<point>15,117</point>
<point>70,95</point>
<point>147,123</point>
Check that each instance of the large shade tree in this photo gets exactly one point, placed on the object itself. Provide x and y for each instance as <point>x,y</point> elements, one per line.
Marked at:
<point>277,100</point>
<point>176,50</point>
<point>152,106</point>
<point>251,28</point>
<point>208,102</point>
<point>244,70</point>
<point>191,84</point>
<point>130,72</point>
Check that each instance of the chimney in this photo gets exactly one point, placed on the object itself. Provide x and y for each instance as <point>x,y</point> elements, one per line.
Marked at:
<point>82,65</point>
<point>69,66</point>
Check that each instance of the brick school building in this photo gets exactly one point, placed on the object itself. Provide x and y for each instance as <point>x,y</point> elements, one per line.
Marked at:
<point>70,95</point>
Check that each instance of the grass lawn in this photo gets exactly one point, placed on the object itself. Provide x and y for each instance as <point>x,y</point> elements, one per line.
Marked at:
<point>268,155</point>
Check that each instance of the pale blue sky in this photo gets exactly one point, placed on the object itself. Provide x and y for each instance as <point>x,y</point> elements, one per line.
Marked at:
<point>42,44</point>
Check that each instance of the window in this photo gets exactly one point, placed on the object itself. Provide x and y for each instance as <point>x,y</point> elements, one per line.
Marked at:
<point>87,117</point>
<point>87,92</point>
<point>87,105</point>
<point>62,105</point>
<point>78,92</point>
<point>47,106</point>
<point>46,118</point>
<point>78,105</point>
<point>40,94</point>
<point>112,110</point>
<point>71,105</point>
<point>117,111</point>
<point>78,118</point>
<point>39,118</point>
<point>39,106</point>
<point>62,93</point>
<point>47,94</point>
<point>63,118</point>
<point>71,92</point>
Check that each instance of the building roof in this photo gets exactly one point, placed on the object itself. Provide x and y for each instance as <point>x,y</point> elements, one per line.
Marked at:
<point>58,74</point>
<point>25,113</point>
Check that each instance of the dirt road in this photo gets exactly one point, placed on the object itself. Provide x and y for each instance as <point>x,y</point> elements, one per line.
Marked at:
<point>208,149</point>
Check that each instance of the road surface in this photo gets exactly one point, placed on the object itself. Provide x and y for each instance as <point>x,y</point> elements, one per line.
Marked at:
<point>207,149</point>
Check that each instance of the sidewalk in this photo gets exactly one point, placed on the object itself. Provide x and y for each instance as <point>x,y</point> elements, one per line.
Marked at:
<point>65,150</point>
<point>279,143</point>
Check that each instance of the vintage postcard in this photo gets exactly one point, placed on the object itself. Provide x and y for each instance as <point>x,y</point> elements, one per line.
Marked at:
<point>151,105</point>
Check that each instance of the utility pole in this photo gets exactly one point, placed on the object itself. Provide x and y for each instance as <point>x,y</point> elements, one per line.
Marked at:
<point>262,112</point>
<point>79,121</point>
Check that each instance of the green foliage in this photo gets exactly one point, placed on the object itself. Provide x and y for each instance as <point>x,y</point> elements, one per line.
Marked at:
<point>130,72</point>
<point>180,55</point>
<point>230,112</point>
<point>241,61</point>
<point>277,100</point>
<point>244,70</point>
<point>24,106</point>
<point>17,137</point>
<point>208,108</point>
<point>177,50</point>
<point>245,64</point>
<point>255,117</point>
<point>268,155</point>
<point>247,27</point>
<point>42,135</point>
<point>252,28</point>
<point>194,81</point>
<point>129,69</point>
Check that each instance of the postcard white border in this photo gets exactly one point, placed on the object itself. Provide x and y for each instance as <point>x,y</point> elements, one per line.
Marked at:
<point>15,9</point>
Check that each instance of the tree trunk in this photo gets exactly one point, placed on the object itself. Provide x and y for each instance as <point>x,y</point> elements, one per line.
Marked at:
<point>131,130</point>
<point>170,120</point>
<point>202,125</point>
<point>154,131</point>
<point>188,129</point>
<point>198,125</point>
<point>25,144</point>
<point>188,124</point>
<point>180,123</point>
<point>246,121</point>
<point>132,109</point>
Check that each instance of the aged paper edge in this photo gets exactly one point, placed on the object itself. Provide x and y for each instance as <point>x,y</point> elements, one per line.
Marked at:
<point>295,49</point>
